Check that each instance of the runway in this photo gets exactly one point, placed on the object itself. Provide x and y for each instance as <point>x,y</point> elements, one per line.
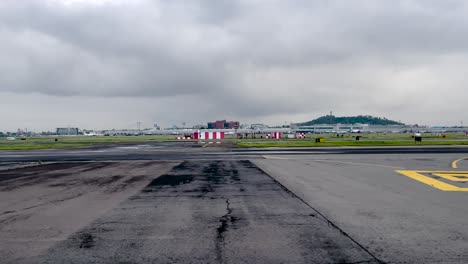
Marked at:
<point>194,150</point>
<point>187,203</point>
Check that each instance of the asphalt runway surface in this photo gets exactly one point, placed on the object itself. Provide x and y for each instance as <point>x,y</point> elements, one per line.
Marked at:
<point>191,203</point>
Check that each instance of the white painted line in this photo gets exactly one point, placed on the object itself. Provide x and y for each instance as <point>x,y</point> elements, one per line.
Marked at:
<point>358,163</point>
<point>275,157</point>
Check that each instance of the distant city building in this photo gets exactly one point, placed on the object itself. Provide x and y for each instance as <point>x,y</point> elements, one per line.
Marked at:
<point>223,124</point>
<point>67,131</point>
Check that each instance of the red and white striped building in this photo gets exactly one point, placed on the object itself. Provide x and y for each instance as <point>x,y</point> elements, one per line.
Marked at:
<point>208,135</point>
<point>275,135</point>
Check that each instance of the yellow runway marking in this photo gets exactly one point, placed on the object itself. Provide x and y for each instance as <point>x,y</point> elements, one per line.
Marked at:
<point>455,162</point>
<point>449,175</point>
<point>456,177</point>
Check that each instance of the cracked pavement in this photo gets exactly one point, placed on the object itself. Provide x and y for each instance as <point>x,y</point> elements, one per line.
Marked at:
<point>209,212</point>
<point>145,205</point>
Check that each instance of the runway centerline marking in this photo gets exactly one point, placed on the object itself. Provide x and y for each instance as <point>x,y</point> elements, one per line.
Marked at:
<point>455,162</point>
<point>359,163</point>
<point>334,161</point>
<point>274,157</point>
<point>455,176</point>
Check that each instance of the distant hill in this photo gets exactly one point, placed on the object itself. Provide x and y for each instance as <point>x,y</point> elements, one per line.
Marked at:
<point>331,119</point>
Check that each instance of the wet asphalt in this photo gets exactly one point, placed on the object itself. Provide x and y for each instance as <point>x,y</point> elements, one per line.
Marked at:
<point>196,151</point>
<point>43,204</point>
<point>190,203</point>
<point>210,212</point>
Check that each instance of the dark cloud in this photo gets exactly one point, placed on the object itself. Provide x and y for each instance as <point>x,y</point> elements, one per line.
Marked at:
<point>252,60</point>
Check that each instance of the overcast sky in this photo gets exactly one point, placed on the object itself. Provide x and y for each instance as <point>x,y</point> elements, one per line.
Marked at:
<point>107,64</point>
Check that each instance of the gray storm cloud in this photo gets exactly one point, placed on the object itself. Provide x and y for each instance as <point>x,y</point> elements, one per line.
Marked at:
<point>251,60</point>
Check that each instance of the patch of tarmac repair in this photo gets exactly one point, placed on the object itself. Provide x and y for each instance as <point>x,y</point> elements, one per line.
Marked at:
<point>223,206</point>
<point>170,180</point>
<point>86,240</point>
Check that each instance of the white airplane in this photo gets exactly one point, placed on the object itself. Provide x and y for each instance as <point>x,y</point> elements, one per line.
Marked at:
<point>91,134</point>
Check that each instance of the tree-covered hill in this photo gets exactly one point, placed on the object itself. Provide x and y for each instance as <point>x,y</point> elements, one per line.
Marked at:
<point>361,119</point>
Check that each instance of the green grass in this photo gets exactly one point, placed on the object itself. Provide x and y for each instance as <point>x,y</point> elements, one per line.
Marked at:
<point>330,141</point>
<point>41,146</point>
<point>344,143</point>
<point>75,142</point>
<point>349,140</point>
